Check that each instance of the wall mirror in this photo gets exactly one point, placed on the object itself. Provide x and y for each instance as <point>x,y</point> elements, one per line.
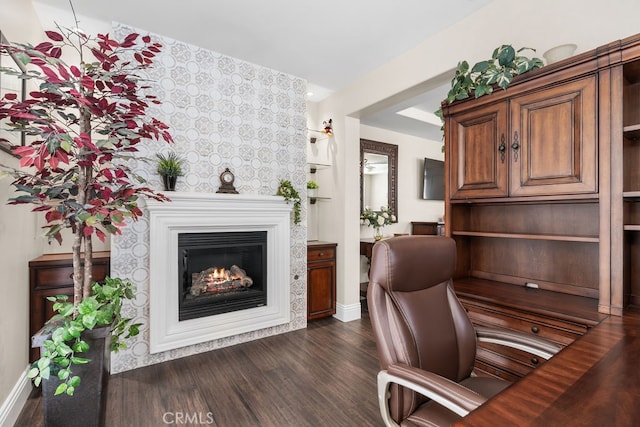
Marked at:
<point>378,175</point>
<point>11,83</point>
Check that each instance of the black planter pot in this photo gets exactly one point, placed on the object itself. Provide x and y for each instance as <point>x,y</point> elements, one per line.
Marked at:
<point>86,407</point>
<point>169,182</point>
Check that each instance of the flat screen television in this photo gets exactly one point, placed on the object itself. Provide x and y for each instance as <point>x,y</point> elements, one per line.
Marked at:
<point>433,179</point>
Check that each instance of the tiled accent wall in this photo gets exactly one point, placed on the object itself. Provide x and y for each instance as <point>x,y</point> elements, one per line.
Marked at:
<point>223,112</point>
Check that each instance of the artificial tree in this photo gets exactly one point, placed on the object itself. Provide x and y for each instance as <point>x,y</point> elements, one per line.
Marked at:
<point>83,122</point>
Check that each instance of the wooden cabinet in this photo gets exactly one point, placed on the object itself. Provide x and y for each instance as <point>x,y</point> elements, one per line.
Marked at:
<point>51,275</point>
<point>627,244</point>
<point>553,140</point>
<point>420,227</point>
<point>558,318</point>
<point>539,143</point>
<point>321,279</point>
<point>544,198</point>
<point>478,147</point>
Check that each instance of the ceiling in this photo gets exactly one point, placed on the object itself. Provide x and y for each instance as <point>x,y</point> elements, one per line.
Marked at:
<point>331,43</point>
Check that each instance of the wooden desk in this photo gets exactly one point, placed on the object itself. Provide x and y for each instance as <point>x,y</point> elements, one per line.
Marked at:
<point>595,381</point>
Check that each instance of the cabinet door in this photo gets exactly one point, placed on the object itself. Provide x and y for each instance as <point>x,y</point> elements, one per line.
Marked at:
<point>478,150</point>
<point>553,140</point>
<point>321,290</point>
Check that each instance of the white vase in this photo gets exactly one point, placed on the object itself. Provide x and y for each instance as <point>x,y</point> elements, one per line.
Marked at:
<point>558,53</point>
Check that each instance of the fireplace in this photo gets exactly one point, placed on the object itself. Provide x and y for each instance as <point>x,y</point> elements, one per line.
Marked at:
<point>223,231</point>
<point>221,272</point>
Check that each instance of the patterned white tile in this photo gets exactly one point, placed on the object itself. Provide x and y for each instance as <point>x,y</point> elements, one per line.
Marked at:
<point>223,112</point>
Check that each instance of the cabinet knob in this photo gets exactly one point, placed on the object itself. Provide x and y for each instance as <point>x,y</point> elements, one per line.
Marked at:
<point>534,329</point>
<point>515,146</point>
<point>321,254</point>
<point>534,360</point>
<point>502,148</point>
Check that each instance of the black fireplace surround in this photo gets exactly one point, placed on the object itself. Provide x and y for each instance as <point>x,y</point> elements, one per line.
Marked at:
<point>198,252</point>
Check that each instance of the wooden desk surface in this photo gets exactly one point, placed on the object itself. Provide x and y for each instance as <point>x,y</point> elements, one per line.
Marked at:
<point>593,382</point>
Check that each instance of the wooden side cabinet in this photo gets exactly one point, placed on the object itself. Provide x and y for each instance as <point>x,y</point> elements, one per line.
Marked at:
<point>51,275</point>
<point>321,279</point>
<point>419,227</point>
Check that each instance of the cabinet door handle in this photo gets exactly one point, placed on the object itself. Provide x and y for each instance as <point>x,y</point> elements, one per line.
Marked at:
<point>534,360</point>
<point>502,148</point>
<point>515,145</point>
<point>534,329</point>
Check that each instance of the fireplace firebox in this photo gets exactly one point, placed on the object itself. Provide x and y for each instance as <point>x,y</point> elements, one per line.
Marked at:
<point>221,272</point>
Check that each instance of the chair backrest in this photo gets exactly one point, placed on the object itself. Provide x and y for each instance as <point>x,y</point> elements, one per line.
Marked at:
<point>416,317</point>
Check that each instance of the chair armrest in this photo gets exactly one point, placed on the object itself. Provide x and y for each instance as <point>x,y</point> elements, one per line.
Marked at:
<point>445,392</point>
<point>532,344</point>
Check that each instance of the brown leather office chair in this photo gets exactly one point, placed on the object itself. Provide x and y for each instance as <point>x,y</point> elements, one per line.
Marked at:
<point>426,342</point>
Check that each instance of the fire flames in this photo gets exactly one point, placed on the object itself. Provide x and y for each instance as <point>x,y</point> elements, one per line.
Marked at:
<point>219,275</point>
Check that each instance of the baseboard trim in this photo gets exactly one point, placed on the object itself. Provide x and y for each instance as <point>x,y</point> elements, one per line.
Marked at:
<point>347,313</point>
<point>11,407</point>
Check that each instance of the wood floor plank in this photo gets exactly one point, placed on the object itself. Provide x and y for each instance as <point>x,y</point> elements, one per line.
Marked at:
<point>322,375</point>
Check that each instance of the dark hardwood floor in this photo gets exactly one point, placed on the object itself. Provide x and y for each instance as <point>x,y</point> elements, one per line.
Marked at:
<point>322,375</point>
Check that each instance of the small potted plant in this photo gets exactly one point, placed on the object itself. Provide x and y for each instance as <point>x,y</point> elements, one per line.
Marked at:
<point>312,188</point>
<point>169,168</point>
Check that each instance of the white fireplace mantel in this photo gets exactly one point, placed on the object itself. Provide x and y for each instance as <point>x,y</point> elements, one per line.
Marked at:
<point>206,213</point>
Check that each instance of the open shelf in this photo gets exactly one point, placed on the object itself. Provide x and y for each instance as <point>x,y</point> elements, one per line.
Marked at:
<point>314,167</point>
<point>314,199</point>
<point>554,237</point>
<point>632,132</point>
<point>631,194</point>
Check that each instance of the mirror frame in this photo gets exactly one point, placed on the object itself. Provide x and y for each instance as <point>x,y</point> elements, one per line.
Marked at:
<point>390,150</point>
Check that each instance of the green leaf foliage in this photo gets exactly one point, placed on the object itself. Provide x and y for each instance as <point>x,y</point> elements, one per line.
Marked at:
<point>66,346</point>
<point>169,164</point>
<point>479,80</point>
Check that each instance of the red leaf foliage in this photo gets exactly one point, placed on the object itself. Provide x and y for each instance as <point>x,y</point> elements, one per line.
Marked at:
<point>56,52</point>
<point>88,231</point>
<point>55,36</point>
<point>84,117</point>
<point>43,47</point>
<point>75,71</point>
<point>100,235</point>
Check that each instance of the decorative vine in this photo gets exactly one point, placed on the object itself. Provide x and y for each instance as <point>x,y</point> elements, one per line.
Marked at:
<point>286,190</point>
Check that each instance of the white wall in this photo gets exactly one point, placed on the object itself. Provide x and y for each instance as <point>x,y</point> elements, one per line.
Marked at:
<point>589,24</point>
<point>411,207</point>
<point>19,242</point>
<point>411,154</point>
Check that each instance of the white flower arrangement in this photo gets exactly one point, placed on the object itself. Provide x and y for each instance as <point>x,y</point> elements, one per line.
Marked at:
<point>377,219</point>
